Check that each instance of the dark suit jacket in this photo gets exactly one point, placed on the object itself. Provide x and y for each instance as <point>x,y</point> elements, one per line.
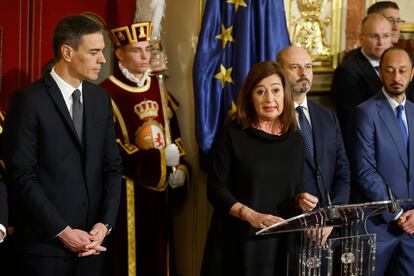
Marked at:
<point>376,134</point>
<point>59,181</point>
<point>3,203</point>
<point>355,81</point>
<point>330,155</point>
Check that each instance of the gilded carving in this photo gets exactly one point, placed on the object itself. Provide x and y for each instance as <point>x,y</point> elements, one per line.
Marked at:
<point>316,26</point>
<point>310,29</point>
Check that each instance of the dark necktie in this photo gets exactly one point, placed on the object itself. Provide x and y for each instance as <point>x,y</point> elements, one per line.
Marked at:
<point>77,112</point>
<point>306,132</point>
<point>400,109</point>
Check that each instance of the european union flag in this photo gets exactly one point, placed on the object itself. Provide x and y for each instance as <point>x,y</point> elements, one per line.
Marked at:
<point>235,34</point>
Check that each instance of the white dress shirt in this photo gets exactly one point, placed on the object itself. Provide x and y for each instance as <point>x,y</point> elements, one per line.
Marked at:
<point>393,103</point>
<point>66,89</point>
<point>304,104</point>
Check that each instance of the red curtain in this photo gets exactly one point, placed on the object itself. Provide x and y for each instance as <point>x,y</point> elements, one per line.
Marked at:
<point>26,28</point>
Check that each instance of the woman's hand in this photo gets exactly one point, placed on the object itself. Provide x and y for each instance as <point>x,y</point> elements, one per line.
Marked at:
<point>259,220</point>
<point>256,219</point>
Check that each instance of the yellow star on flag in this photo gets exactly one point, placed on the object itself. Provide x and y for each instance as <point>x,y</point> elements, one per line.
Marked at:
<point>225,35</point>
<point>224,75</point>
<point>237,3</point>
<point>233,109</point>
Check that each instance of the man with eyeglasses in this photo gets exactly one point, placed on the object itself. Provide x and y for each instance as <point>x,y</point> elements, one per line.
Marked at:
<point>391,11</point>
<point>357,79</point>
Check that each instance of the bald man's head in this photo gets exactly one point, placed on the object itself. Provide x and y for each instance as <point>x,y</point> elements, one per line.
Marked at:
<point>375,35</point>
<point>391,11</point>
<point>297,66</point>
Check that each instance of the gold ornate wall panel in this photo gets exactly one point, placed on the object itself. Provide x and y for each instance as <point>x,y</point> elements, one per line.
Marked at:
<point>316,26</point>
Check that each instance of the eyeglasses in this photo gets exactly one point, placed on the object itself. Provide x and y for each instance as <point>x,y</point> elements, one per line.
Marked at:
<point>393,20</point>
<point>378,36</point>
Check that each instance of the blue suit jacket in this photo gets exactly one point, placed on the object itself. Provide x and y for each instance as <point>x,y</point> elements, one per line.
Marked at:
<point>330,154</point>
<point>376,135</point>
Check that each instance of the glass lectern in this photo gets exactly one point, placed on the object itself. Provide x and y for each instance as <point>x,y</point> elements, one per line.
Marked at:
<point>350,252</point>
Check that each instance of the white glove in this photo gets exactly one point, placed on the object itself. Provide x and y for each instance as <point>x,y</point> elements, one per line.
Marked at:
<point>172,155</point>
<point>176,179</point>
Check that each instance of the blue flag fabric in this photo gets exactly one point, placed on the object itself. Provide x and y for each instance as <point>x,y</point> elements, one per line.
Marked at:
<point>235,34</point>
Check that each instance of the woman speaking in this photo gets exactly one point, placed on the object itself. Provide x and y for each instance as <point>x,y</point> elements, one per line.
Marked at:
<point>255,174</point>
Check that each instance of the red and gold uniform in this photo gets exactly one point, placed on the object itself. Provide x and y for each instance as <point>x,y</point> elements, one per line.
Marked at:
<point>145,124</point>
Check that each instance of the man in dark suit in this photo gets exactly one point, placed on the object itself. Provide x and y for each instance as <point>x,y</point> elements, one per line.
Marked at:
<point>326,167</point>
<point>382,147</point>
<point>391,11</point>
<point>356,79</point>
<point>63,159</point>
<point>3,210</point>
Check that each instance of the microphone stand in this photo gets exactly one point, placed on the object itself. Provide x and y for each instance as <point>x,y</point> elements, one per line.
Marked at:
<point>332,212</point>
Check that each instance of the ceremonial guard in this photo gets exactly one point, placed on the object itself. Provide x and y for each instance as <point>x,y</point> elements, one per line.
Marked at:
<point>151,148</point>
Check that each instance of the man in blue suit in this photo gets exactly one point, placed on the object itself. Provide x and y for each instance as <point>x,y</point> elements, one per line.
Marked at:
<point>382,135</point>
<point>326,167</point>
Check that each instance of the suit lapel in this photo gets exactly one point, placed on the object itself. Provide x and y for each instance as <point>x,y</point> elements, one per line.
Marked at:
<point>372,79</point>
<point>370,72</point>
<point>88,111</point>
<point>60,104</point>
<point>386,114</point>
<point>316,130</point>
<point>410,122</point>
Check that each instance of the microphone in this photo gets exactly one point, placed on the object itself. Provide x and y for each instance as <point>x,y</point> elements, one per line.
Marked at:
<point>332,212</point>
<point>394,207</point>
